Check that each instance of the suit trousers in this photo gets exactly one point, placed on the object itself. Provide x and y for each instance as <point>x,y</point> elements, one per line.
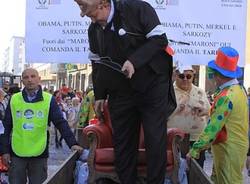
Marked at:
<point>128,112</point>
<point>35,169</point>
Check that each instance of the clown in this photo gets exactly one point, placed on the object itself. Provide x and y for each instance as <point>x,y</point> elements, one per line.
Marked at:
<point>227,129</point>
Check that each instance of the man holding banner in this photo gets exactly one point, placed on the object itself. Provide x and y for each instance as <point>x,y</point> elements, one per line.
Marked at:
<point>131,68</point>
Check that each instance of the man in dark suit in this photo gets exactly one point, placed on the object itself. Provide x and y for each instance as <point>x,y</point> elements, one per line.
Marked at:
<point>131,68</point>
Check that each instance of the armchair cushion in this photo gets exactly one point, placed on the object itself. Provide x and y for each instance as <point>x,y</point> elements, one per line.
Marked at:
<point>106,156</point>
<point>104,160</point>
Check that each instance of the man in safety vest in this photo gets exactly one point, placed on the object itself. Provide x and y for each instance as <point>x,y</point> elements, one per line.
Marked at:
<point>25,140</point>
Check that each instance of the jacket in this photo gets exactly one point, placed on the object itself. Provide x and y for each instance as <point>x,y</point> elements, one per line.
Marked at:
<point>145,52</point>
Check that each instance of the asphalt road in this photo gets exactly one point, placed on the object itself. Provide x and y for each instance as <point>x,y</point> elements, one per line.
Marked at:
<point>56,155</point>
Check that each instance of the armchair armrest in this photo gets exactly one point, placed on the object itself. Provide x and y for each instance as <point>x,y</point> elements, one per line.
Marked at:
<point>99,133</point>
<point>99,136</point>
<point>172,133</point>
<point>175,137</point>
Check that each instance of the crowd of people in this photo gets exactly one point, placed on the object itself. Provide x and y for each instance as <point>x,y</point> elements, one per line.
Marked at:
<point>77,108</point>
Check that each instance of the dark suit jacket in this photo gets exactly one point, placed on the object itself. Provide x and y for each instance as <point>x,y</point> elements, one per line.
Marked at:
<point>147,54</point>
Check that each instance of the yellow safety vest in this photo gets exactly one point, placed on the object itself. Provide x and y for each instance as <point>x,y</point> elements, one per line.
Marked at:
<point>30,120</point>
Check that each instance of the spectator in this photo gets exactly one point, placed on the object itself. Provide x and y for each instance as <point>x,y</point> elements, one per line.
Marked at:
<point>72,109</point>
<point>79,95</point>
<point>64,90</point>
<point>59,101</point>
<point>192,110</point>
<point>71,93</point>
<point>14,89</point>
<point>73,113</point>
<point>4,100</point>
<point>6,86</point>
<point>57,96</point>
<point>45,89</point>
<point>87,111</point>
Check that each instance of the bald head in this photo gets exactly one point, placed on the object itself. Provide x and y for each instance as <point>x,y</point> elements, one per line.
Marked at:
<point>31,79</point>
<point>30,70</point>
<point>87,6</point>
<point>97,10</point>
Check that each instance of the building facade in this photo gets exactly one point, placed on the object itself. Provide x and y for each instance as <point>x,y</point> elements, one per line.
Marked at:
<point>14,56</point>
<point>79,76</point>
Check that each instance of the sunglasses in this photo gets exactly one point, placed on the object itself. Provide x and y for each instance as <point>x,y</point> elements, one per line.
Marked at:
<point>183,76</point>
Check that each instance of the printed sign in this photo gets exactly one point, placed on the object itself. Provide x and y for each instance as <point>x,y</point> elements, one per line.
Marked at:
<point>56,33</point>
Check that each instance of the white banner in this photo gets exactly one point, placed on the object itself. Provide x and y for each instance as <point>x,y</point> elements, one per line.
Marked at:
<point>55,32</point>
<point>206,25</point>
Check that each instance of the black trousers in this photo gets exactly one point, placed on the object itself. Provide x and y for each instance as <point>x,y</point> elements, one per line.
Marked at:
<point>33,168</point>
<point>128,112</point>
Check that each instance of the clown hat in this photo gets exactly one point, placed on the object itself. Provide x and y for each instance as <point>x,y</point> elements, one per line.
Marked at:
<point>226,62</point>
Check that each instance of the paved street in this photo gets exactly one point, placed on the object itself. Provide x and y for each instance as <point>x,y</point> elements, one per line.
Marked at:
<point>57,155</point>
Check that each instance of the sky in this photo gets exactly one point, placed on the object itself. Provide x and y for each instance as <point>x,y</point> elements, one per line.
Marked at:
<point>12,20</point>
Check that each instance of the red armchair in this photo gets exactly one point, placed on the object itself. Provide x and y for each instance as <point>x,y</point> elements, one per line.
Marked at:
<point>101,155</point>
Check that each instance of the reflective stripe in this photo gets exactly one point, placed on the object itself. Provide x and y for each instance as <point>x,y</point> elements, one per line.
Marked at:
<point>111,14</point>
<point>158,30</point>
<point>94,57</point>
